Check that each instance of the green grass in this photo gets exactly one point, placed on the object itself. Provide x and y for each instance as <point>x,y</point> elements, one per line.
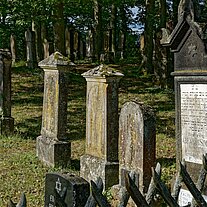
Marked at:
<point>21,171</point>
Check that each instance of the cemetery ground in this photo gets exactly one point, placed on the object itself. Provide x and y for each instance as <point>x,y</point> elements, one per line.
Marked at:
<point>21,171</point>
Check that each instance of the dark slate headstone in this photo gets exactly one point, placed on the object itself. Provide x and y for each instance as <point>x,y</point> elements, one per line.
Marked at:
<point>65,190</point>
<point>6,121</point>
<point>188,42</point>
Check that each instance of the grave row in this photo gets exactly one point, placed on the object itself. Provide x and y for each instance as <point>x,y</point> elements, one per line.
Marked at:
<point>115,145</point>
<point>111,145</point>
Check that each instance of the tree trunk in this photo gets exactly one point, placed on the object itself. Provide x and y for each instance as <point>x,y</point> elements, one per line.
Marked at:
<point>163,13</point>
<point>98,28</point>
<point>148,36</point>
<point>175,11</point>
<point>36,27</point>
<point>123,31</point>
<point>113,27</point>
<point>59,28</point>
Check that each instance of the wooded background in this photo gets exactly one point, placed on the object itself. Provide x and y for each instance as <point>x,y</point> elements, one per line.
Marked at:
<point>50,18</point>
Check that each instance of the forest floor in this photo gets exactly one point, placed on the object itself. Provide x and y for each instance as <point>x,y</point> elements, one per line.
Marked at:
<point>21,171</point>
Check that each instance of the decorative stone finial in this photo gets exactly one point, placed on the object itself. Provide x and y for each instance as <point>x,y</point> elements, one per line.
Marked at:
<point>102,71</point>
<point>56,59</point>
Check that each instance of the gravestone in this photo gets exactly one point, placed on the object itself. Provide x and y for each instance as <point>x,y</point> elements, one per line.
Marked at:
<point>30,48</point>
<point>13,48</point>
<point>53,146</point>
<point>90,42</point>
<point>6,121</point>
<point>137,134</point>
<point>46,51</point>
<point>101,152</point>
<point>67,41</point>
<point>65,190</point>
<point>188,43</point>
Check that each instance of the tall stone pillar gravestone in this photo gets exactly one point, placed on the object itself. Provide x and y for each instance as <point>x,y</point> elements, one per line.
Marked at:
<point>53,146</point>
<point>6,121</point>
<point>137,132</point>
<point>188,44</point>
<point>101,154</point>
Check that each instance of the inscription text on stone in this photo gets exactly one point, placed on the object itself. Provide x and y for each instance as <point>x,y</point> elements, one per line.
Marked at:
<point>194,121</point>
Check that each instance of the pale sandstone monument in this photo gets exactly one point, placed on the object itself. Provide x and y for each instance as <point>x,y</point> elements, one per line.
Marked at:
<point>101,153</point>
<point>53,146</point>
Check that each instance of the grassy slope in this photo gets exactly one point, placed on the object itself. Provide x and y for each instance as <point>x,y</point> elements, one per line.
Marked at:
<point>20,170</point>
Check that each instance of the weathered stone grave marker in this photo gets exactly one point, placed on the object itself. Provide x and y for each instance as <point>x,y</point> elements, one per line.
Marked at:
<point>137,134</point>
<point>190,78</point>
<point>6,121</point>
<point>65,190</point>
<point>13,48</point>
<point>31,50</point>
<point>53,146</point>
<point>101,154</point>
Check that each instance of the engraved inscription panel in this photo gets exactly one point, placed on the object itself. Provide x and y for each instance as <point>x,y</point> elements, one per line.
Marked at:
<point>96,119</point>
<point>185,197</point>
<point>193,121</point>
<point>50,105</point>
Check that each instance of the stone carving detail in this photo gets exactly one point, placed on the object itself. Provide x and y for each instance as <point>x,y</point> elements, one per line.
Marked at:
<point>192,50</point>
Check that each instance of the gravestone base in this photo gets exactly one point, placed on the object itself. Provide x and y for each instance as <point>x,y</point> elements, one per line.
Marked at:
<point>53,153</point>
<point>118,192</point>
<point>94,167</point>
<point>7,125</point>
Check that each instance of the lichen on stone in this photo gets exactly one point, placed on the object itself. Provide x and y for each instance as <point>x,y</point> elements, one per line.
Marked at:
<point>56,59</point>
<point>102,71</point>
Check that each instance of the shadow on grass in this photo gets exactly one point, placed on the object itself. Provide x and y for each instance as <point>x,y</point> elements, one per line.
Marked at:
<point>24,70</point>
<point>27,92</point>
<point>29,128</point>
<point>75,164</point>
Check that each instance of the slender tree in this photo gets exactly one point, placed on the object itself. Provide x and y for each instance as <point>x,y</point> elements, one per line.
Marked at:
<point>149,35</point>
<point>59,27</point>
<point>98,27</point>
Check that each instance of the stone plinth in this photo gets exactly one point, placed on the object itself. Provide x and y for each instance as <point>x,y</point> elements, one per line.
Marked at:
<point>101,126</point>
<point>6,121</point>
<point>137,132</point>
<point>53,146</point>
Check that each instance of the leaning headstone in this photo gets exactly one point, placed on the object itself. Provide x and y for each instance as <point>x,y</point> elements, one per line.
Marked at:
<point>53,146</point>
<point>31,50</point>
<point>6,121</point>
<point>65,190</point>
<point>137,134</point>
<point>101,153</point>
<point>188,43</point>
